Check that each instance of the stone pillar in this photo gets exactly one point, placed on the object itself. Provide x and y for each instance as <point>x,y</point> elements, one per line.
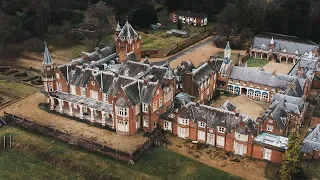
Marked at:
<point>286,60</point>
<point>51,103</point>
<point>261,56</point>
<point>81,111</point>
<point>92,115</point>
<point>60,105</point>
<point>255,55</point>
<point>261,96</point>
<point>70,109</point>
<point>103,118</point>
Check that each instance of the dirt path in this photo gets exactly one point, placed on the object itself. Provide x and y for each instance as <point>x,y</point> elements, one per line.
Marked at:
<point>245,105</point>
<point>28,108</point>
<point>243,167</point>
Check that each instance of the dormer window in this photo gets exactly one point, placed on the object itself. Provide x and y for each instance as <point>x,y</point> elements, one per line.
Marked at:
<point>93,83</point>
<point>202,124</point>
<point>122,112</point>
<point>145,107</point>
<point>221,129</point>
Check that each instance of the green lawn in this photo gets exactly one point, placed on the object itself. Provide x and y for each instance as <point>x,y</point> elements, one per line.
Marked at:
<point>255,62</point>
<point>17,90</point>
<point>16,165</point>
<point>160,164</point>
<point>153,39</point>
<point>252,62</point>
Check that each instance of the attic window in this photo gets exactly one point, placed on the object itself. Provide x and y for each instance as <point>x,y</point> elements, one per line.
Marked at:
<point>221,129</point>
<point>93,83</point>
<point>202,124</point>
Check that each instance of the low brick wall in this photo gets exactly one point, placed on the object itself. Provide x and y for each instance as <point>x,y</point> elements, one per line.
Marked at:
<point>76,141</point>
<point>160,53</point>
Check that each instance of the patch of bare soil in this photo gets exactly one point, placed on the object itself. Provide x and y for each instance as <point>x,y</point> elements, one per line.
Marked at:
<point>28,108</point>
<point>245,105</point>
<point>280,68</point>
<point>246,168</point>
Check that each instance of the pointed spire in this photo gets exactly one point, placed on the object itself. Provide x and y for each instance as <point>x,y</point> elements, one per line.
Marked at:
<point>272,41</point>
<point>228,46</point>
<point>46,55</point>
<point>118,29</point>
<point>310,54</point>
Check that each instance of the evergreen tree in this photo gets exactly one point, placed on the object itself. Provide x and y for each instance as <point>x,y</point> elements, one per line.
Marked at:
<point>291,158</point>
<point>179,24</point>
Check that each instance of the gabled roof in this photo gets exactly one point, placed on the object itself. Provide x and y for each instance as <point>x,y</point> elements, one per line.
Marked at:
<point>214,117</point>
<point>190,14</point>
<point>290,43</point>
<point>312,141</point>
<point>118,28</point>
<point>202,73</point>
<point>265,78</point>
<point>46,55</point>
<point>282,105</point>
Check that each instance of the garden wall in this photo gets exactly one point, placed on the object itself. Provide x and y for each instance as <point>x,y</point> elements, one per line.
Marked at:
<point>160,53</point>
<point>76,141</point>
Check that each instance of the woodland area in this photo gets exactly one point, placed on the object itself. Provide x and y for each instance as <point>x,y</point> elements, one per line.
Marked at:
<point>85,19</point>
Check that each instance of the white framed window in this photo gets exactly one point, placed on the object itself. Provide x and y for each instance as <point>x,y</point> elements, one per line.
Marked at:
<point>85,109</point>
<point>122,112</point>
<point>167,125</point>
<point>201,135</point>
<point>154,107</point>
<point>57,76</point>
<point>269,128</point>
<point>123,126</point>
<point>210,138</point>
<point>183,121</point>
<point>94,94</point>
<point>231,80</point>
<point>145,107</point>
<point>220,141</point>
<point>137,109</point>
<point>270,121</point>
<point>221,129</point>
<point>105,97</point>
<point>241,137</point>
<point>93,83</point>
<point>267,154</point>
<point>73,90</point>
<point>75,106</point>
<point>145,122</point>
<point>59,86</point>
<point>202,124</point>
<point>183,132</point>
<point>83,92</point>
<point>160,102</point>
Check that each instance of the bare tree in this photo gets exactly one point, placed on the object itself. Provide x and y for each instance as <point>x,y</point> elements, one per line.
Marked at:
<point>99,20</point>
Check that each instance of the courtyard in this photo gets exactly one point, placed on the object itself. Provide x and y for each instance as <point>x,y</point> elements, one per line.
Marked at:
<point>246,106</point>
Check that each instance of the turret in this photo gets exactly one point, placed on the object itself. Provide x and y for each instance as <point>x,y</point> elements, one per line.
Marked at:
<point>127,41</point>
<point>224,70</point>
<point>48,70</point>
<point>227,51</point>
<point>118,29</point>
<point>271,44</point>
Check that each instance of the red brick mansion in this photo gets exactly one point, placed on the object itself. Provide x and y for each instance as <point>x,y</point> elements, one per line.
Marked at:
<point>114,87</point>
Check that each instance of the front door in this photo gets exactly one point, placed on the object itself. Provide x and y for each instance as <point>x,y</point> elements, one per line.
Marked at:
<point>238,149</point>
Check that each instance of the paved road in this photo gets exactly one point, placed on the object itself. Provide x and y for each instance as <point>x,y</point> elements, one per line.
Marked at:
<point>193,48</point>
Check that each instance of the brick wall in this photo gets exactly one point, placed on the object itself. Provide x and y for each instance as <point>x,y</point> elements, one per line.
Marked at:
<point>276,156</point>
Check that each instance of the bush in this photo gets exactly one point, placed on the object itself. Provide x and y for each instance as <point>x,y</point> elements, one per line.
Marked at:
<point>179,24</point>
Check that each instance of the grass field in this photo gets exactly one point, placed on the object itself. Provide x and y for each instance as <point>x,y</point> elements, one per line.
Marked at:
<point>160,164</point>
<point>17,90</point>
<point>153,39</point>
<point>16,165</point>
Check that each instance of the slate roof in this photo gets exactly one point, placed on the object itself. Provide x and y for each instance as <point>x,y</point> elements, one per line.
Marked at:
<point>228,106</point>
<point>127,32</point>
<point>46,55</point>
<point>91,103</point>
<point>131,56</point>
<point>183,99</point>
<point>147,92</point>
<point>308,68</point>
<point>290,43</point>
<point>312,140</point>
<point>101,53</point>
<point>280,106</point>
<point>216,117</point>
<point>190,14</point>
<point>79,77</point>
<point>265,78</point>
<point>202,73</point>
